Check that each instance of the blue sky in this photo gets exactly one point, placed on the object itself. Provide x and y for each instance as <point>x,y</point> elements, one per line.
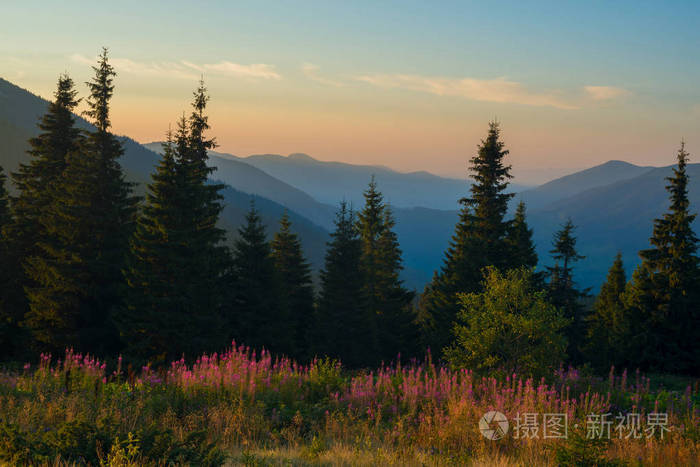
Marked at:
<point>406,84</point>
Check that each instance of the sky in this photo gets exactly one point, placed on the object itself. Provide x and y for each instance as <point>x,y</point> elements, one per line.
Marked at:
<point>408,84</point>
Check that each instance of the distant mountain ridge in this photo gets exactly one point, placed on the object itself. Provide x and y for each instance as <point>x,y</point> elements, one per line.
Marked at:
<point>612,204</point>
<point>250,179</point>
<point>614,217</point>
<point>20,111</point>
<point>329,182</point>
<point>571,185</point>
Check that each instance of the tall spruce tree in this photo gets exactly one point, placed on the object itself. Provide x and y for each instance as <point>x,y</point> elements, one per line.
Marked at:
<point>178,260</point>
<point>563,292</point>
<point>607,325</point>
<point>386,298</point>
<point>664,296</point>
<point>34,180</point>
<point>48,150</point>
<point>343,326</point>
<point>210,261</point>
<point>519,239</point>
<point>294,290</point>
<point>77,270</point>
<point>203,207</point>
<point>254,314</point>
<point>480,240</point>
<point>159,321</point>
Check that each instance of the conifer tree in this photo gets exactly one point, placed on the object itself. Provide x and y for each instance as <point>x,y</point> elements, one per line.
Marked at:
<point>519,239</point>
<point>294,291</point>
<point>7,321</point>
<point>77,271</point>
<point>210,260</point>
<point>664,296</point>
<point>343,326</point>
<point>48,150</point>
<point>178,261</point>
<point>563,292</point>
<point>254,311</point>
<point>203,207</point>
<point>607,326</point>
<point>34,180</point>
<point>386,298</point>
<point>479,241</point>
<point>5,215</point>
<point>158,321</point>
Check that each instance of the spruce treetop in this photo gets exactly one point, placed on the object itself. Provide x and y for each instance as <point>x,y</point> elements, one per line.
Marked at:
<point>673,240</point>
<point>565,245</point>
<point>65,96</point>
<point>198,125</point>
<point>101,90</point>
<point>491,177</point>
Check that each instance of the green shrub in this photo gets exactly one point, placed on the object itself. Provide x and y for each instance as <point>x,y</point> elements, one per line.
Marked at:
<point>509,328</point>
<point>579,451</point>
<point>84,443</point>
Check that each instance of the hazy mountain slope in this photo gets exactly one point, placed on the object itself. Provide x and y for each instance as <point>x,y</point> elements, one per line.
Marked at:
<point>19,113</point>
<point>20,110</point>
<point>249,179</point>
<point>612,204</point>
<point>237,203</point>
<point>424,235</point>
<point>570,185</point>
<point>13,145</point>
<point>618,216</point>
<point>329,182</point>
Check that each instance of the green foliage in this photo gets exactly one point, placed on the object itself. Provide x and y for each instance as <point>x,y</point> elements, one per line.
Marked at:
<point>253,314</point>
<point>200,208</point>
<point>6,311</point>
<point>98,444</point>
<point>508,328</point>
<point>5,216</point>
<point>387,300</point>
<point>57,137</point>
<point>607,325</point>
<point>579,451</point>
<point>178,262</point>
<point>519,239</point>
<point>562,289</point>
<point>76,272</point>
<point>293,290</point>
<point>663,298</point>
<point>342,324</point>
<point>480,240</point>
<point>76,275</point>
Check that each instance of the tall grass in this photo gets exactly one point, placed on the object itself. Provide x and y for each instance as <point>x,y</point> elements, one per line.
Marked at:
<point>248,406</point>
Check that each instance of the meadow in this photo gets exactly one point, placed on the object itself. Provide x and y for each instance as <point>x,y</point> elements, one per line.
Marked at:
<point>242,407</point>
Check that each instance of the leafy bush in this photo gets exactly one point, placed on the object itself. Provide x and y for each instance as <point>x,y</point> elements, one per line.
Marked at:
<point>579,451</point>
<point>82,442</point>
<point>509,327</point>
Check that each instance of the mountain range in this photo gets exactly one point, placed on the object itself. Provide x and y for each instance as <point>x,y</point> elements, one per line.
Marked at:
<point>613,204</point>
<point>328,182</point>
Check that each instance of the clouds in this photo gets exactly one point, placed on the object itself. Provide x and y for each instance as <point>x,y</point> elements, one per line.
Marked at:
<point>311,71</point>
<point>188,70</point>
<point>225,68</point>
<point>497,90</point>
<point>605,93</point>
